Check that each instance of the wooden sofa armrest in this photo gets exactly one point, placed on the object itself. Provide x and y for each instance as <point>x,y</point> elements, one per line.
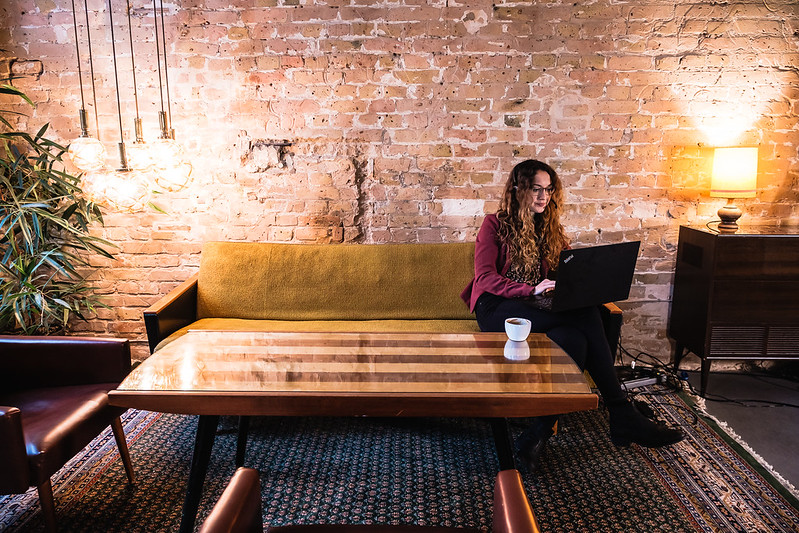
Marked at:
<point>15,476</point>
<point>611,321</point>
<point>177,309</point>
<point>512,511</point>
<point>28,362</point>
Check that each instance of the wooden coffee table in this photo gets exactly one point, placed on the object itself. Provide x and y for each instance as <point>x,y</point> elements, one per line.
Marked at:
<point>213,373</point>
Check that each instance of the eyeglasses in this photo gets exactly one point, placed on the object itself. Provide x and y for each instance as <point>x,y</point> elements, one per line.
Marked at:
<point>536,190</point>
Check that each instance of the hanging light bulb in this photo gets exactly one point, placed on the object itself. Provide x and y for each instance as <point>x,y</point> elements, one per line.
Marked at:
<point>93,184</point>
<point>127,190</point>
<point>86,152</point>
<point>166,151</point>
<point>139,153</point>
<point>174,178</point>
<point>139,156</point>
<point>171,167</point>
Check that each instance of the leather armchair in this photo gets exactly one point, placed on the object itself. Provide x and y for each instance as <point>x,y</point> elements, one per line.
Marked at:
<point>53,402</point>
<point>239,511</point>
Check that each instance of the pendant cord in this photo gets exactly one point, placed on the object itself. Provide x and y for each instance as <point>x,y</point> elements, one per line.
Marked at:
<point>77,52</point>
<point>158,57</point>
<point>116,75</point>
<point>133,63</point>
<point>91,68</point>
<point>166,72</point>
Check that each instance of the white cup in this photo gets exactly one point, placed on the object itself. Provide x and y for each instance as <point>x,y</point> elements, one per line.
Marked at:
<point>517,350</point>
<point>517,328</point>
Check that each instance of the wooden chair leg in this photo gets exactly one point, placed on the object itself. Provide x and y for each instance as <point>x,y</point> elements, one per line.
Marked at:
<point>122,446</point>
<point>48,506</point>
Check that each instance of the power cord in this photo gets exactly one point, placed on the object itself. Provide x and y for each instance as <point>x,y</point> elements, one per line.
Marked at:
<point>669,381</point>
<point>677,381</point>
<point>742,402</point>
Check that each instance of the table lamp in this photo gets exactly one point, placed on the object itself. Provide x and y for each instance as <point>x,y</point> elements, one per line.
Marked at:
<point>734,176</point>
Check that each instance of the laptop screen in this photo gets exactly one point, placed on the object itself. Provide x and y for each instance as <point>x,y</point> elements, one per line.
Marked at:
<point>595,275</point>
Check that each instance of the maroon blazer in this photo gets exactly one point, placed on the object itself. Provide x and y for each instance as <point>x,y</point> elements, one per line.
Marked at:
<point>490,266</point>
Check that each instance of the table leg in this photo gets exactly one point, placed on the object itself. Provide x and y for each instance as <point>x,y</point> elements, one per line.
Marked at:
<point>203,443</point>
<point>705,372</point>
<point>241,443</point>
<point>503,443</point>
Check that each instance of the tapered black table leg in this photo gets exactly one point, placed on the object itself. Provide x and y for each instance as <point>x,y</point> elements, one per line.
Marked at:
<point>203,443</point>
<point>241,443</point>
<point>503,443</point>
<point>705,372</point>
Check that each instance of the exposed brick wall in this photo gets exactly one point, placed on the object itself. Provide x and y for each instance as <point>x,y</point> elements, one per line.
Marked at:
<point>405,118</point>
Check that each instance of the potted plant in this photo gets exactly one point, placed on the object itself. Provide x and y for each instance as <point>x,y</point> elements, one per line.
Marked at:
<point>45,241</point>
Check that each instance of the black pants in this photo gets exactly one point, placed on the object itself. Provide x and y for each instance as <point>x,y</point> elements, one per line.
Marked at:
<point>579,332</point>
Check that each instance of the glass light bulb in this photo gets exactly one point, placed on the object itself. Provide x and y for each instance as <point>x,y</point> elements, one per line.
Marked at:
<point>87,153</point>
<point>174,178</point>
<point>166,153</point>
<point>128,190</point>
<point>93,184</point>
<point>139,155</point>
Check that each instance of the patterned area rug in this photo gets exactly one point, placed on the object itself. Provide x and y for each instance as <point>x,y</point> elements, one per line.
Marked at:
<point>424,471</point>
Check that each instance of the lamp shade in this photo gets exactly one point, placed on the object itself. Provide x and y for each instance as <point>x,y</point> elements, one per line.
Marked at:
<point>138,155</point>
<point>127,190</point>
<point>87,153</point>
<point>734,172</point>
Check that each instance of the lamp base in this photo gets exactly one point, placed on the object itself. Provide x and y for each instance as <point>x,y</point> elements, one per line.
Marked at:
<point>729,215</point>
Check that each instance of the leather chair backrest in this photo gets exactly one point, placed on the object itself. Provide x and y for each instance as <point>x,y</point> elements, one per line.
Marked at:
<point>54,365</point>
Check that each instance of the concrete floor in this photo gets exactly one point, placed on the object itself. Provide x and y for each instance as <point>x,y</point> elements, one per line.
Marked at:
<point>772,431</point>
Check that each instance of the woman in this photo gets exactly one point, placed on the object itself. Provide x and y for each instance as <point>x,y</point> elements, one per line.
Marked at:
<point>515,253</point>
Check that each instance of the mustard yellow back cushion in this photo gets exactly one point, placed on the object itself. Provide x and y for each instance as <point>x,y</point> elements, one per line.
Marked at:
<point>334,281</point>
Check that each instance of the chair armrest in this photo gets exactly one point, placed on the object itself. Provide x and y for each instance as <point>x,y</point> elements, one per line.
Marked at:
<point>512,511</point>
<point>612,308</point>
<point>611,322</point>
<point>239,508</point>
<point>176,310</point>
<point>55,361</point>
<point>14,467</point>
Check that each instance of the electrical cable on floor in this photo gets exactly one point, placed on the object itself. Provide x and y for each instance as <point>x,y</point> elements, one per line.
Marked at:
<point>670,381</point>
<point>678,381</point>
<point>742,402</point>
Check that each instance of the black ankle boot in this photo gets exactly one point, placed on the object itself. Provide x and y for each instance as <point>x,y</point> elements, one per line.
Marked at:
<point>628,425</point>
<point>532,443</point>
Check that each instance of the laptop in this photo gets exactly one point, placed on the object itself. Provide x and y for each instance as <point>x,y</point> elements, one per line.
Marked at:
<point>591,276</point>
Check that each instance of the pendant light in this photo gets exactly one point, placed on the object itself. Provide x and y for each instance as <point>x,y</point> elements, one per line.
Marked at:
<point>138,153</point>
<point>86,152</point>
<point>171,168</point>
<point>127,189</point>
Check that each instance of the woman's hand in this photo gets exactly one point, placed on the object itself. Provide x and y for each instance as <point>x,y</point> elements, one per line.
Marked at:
<point>546,285</point>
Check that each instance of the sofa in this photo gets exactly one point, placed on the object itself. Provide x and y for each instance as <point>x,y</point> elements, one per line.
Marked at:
<point>325,287</point>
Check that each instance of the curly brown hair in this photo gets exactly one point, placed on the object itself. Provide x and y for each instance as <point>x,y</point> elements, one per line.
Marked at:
<point>529,236</point>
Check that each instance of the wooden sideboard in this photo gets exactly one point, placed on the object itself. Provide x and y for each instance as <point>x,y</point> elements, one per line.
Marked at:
<point>736,295</point>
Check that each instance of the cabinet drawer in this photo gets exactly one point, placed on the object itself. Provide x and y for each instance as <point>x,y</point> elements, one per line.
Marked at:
<point>763,302</point>
<point>774,257</point>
